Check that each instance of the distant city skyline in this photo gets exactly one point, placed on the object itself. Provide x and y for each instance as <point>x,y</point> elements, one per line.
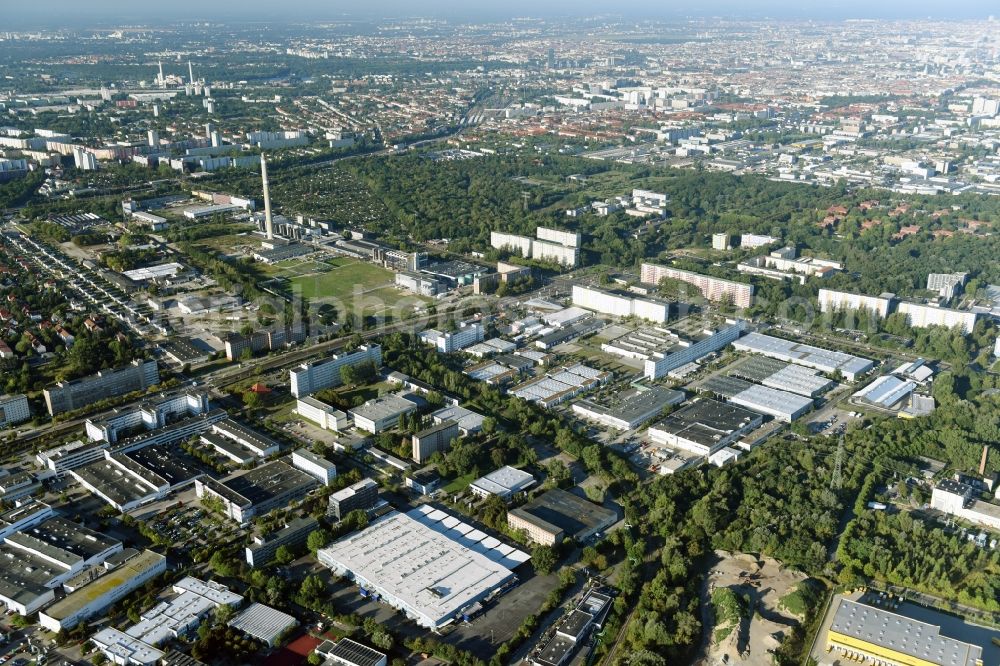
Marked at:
<point>67,13</point>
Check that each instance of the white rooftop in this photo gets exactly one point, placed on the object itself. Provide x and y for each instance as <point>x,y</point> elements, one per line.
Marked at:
<point>912,638</point>
<point>467,419</point>
<point>154,272</point>
<point>418,565</point>
<point>214,592</point>
<point>505,481</point>
<point>824,360</point>
<point>886,391</point>
<point>122,648</point>
<point>263,622</point>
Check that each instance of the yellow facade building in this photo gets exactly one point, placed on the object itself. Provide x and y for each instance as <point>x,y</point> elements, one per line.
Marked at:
<point>871,635</point>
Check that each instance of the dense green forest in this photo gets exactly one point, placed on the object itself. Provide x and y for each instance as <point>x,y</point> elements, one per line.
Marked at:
<point>903,550</point>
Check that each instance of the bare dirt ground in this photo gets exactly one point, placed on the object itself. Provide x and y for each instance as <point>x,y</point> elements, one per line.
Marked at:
<point>764,582</point>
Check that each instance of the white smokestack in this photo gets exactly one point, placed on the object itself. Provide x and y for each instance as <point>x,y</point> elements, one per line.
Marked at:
<point>163,81</point>
<point>268,223</point>
<point>190,72</point>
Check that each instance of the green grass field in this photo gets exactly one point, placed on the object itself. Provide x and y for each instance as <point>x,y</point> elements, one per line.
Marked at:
<point>355,285</point>
<point>340,282</point>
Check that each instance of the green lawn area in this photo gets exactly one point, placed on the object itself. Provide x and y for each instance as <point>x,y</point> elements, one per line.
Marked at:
<point>228,242</point>
<point>350,393</point>
<point>337,262</point>
<point>339,282</point>
<point>373,284</point>
<point>294,268</point>
<point>459,483</point>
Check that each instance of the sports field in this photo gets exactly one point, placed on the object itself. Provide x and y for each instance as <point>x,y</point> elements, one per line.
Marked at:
<point>351,286</point>
<point>341,282</point>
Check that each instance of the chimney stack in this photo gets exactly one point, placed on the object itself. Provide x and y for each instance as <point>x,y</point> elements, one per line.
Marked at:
<point>268,223</point>
<point>190,72</point>
<point>982,462</point>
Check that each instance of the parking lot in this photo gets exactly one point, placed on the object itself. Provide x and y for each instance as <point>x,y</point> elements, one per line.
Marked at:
<point>500,620</point>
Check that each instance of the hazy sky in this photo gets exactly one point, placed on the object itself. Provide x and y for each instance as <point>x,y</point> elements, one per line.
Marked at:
<point>76,12</point>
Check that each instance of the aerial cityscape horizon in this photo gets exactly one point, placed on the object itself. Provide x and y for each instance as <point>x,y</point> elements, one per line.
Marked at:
<point>70,13</point>
<point>486,334</point>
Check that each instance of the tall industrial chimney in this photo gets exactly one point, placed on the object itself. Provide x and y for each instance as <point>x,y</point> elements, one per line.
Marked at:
<point>162,81</point>
<point>268,223</point>
<point>982,462</point>
<point>190,72</point>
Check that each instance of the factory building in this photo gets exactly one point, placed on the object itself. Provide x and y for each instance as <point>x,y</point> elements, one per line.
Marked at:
<point>381,413</point>
<point>560,385</point>
<point>263,548</point>
<point>886,392</point>
<point>426,564</point>
<point>45,553</point>
<point>149,414</point>
<point>255,493</point>
<point>346,652</point>
<point>961,500</point>
<point>124,575</point>
<point>311,377</point>
<point>23,515</point>
<point>863,633</point>
<point>705,427</point>
<point>824,360</point>
<point>557,514</point>
<point>424,285</point>
<point>263,623</point>
<point>173,618</point>
<point>469,422</point>
<point>669,360</point>
<point>777,374</point>
<point>779,404</point>
<point>628,411</point>
<point>505,483</point>
<point>70,455</point>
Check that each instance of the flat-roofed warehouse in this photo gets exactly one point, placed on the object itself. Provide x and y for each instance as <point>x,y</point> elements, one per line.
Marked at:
<point>420,566</point>
<point>258,491</point>
<point>859,630</point>
<point>93,597</point>
<point>264,623</point>
<point>886,391</point>
<point>346,652</point>
<point>782,375</point>
<point>67,545</point>
<point>782,405</point>
<point>557,514</point>
<point>705,427</point>
<point>629,410</point>
<point>824,360</point>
